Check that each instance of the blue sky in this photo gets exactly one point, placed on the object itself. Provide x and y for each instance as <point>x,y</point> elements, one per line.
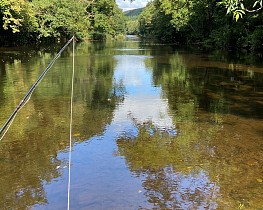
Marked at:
<point>127,5</point>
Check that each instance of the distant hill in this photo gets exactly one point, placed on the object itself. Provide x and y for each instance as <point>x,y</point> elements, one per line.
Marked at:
<point>133,12</point>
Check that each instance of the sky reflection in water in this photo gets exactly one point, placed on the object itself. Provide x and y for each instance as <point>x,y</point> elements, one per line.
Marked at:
<point>153,128</point>
<point>101,178</point>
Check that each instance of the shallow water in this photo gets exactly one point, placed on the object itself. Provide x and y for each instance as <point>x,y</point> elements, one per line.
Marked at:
<point>154,127</point>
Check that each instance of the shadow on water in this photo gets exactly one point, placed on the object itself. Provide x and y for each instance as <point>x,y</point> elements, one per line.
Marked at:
<point>154,128</point>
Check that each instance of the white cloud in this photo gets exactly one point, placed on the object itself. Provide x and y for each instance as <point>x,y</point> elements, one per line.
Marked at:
<point>127,5</point>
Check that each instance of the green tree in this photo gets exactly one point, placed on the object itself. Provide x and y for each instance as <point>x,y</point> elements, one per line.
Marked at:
<point>106,18</point>
<point>156,22</point>
<point>132,26</point>
<point>146,20</point>
<point>180,11</point>
<point>61,18</point>
<point>38,20</point>
<point>15,14</point>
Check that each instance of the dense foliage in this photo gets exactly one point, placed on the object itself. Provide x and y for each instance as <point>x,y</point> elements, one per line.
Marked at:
<point>132,21</point>
<point>229,24</point>
<point>224,24</point>
<point>37,20</point>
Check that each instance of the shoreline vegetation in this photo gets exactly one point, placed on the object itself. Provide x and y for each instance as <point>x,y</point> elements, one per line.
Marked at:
<point>207,24</point>
<point>38,21</point>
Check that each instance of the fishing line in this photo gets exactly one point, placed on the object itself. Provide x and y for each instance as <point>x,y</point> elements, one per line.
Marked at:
<point>26,98</point>
<point>71,117</point>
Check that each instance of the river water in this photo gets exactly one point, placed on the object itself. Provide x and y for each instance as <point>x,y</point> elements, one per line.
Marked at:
<point>154,127</point>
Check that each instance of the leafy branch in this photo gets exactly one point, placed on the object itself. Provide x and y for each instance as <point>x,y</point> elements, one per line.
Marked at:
<point>238,9</point>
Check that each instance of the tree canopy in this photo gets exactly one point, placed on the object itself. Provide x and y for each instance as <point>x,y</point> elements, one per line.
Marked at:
<point>36,20</point>
<point>225,24</point>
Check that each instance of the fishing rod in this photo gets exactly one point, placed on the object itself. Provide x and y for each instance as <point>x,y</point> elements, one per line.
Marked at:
<point>30,91</point>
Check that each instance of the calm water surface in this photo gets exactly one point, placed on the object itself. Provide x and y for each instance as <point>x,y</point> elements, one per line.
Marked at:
<point>154,128</point>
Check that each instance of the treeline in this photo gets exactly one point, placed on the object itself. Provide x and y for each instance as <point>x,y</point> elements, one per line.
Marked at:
<point>213,24</point>
<point>23,21</point>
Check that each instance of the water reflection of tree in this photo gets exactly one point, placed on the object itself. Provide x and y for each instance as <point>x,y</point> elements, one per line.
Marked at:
<point>217,87</point>
<point>168,189</point>
<point>171,164</point>
<point>97,93</point>
<point>186,89</point>
<point>175,169</point>
<point>28,158</point>
<point>201,93</point>
<point>172,167</point>
<point>28,154</point>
